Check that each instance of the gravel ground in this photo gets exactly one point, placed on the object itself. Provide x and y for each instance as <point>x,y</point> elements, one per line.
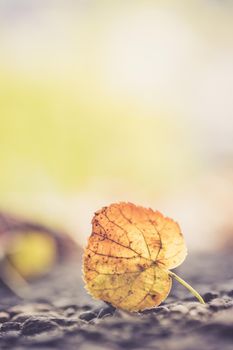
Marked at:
<point>60,315</point>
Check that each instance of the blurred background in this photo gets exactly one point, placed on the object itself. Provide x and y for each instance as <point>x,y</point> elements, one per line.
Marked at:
<point>104,101</point>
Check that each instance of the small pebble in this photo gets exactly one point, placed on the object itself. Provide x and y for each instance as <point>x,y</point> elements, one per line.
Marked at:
<point>10,326</point>
<point>87,316</point>
<point>180,309</point>
<point>21,317</point>
<point>218,304</point>
<point>210,296</point>
<point>200,310</point>
<point>37,325</point>
<point>103,312</point>
<point>70,311</point>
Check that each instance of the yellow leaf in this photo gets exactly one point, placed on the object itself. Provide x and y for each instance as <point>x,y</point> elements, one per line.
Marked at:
<point>32,253</point>
<point>129,254</point>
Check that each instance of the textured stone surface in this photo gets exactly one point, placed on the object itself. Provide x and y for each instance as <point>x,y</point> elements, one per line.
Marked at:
<point>60,315</point>
<point>4,317</point>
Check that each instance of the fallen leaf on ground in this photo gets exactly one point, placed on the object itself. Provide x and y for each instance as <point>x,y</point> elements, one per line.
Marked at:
<point>129,255</point>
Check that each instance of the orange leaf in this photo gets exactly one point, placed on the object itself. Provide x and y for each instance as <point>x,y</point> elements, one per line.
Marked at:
<point>129,254</point>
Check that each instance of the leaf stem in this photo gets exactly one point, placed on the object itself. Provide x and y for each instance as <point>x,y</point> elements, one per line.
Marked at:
<point>185,284</point>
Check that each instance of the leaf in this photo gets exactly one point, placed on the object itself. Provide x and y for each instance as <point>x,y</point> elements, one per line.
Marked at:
<point>129,254</point>
<point>32,254</point>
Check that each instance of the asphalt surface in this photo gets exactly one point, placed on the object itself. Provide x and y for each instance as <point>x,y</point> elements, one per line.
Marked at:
<point>60,315</point>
